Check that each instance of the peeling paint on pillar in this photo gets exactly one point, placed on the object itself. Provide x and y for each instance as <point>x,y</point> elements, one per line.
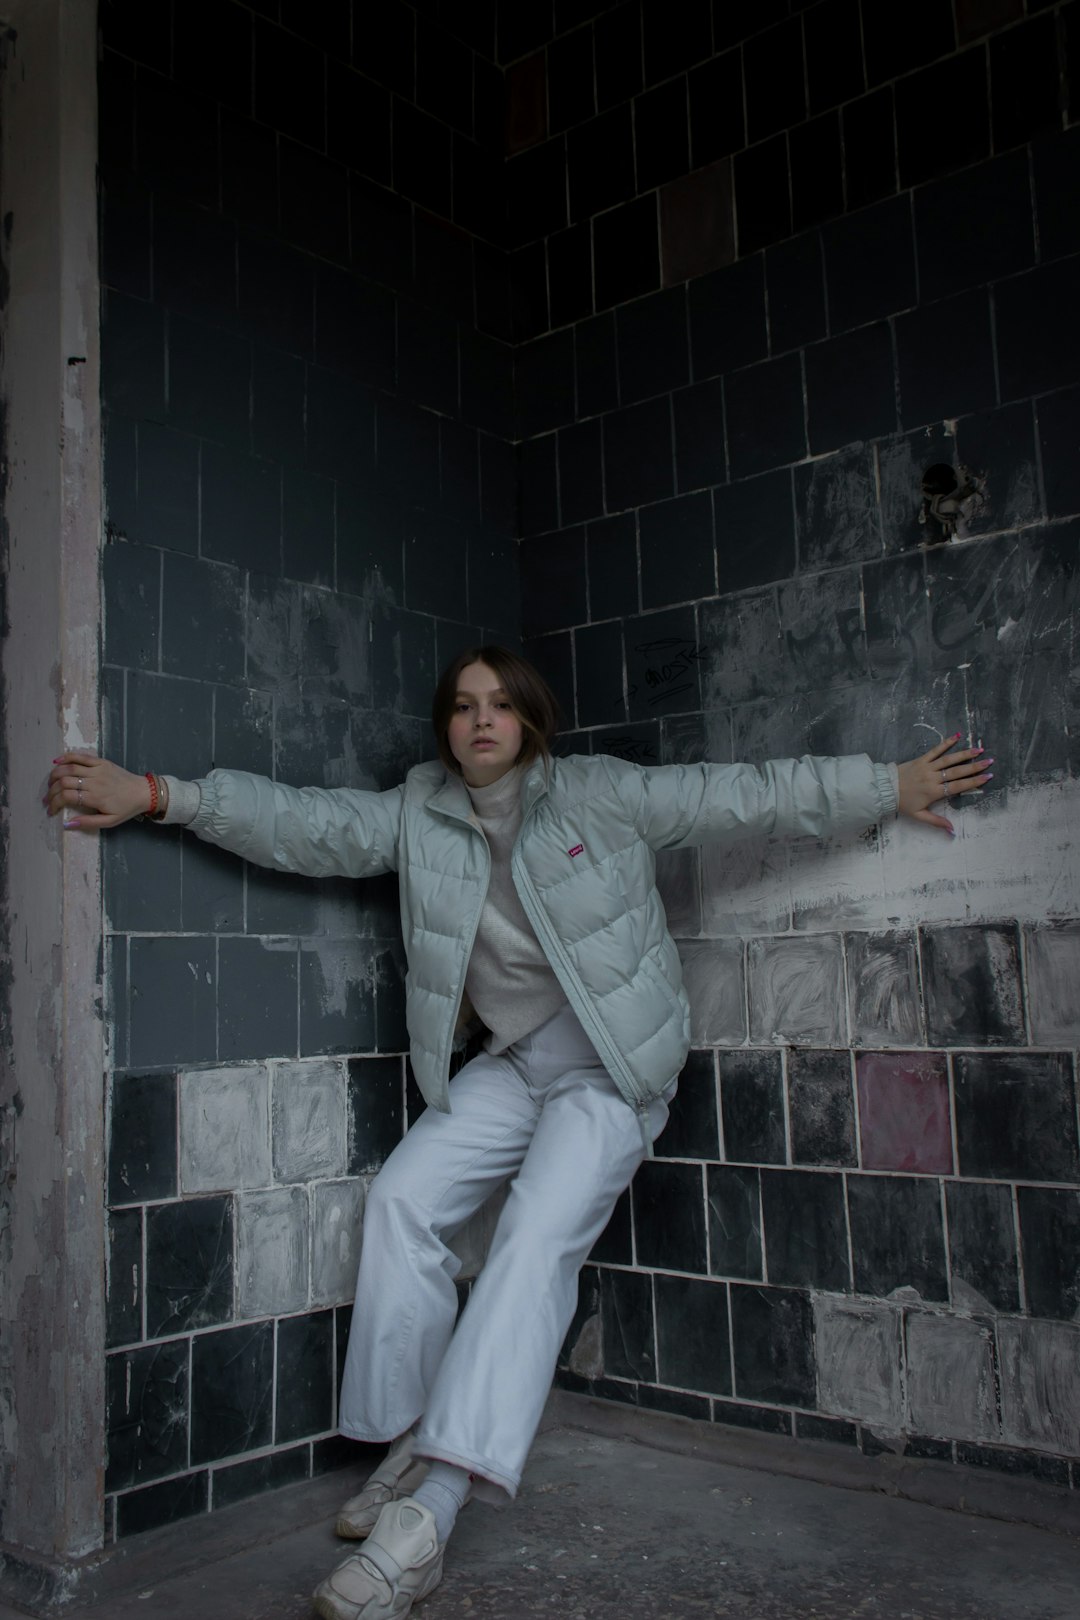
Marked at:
<point>51,1304</point>
<point>10,1098</point>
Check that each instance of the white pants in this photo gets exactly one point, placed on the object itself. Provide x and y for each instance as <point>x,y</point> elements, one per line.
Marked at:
<point>547,1113</point>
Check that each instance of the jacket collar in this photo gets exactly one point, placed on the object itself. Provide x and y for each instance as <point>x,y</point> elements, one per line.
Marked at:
<point>535,784</point>
<point>452,798</point>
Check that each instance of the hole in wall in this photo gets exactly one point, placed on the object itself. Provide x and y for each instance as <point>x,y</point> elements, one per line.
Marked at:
<point>951,498</point>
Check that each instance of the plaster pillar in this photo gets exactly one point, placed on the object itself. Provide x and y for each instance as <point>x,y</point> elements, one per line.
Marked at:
<point>52,1052</point>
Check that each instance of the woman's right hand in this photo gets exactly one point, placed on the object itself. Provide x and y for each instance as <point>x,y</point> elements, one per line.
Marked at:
<point>93,792</point>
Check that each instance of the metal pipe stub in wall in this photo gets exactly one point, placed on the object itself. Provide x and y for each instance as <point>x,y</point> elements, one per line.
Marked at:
<point>951,496</point>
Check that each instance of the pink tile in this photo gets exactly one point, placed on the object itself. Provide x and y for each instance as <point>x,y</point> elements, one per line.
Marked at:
<point>904,1111</point>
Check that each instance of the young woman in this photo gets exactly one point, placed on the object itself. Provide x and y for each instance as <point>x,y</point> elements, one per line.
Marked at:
<point>529,907</point>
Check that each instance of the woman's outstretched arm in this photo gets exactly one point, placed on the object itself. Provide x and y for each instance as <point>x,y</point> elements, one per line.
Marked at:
<point>321,832</point>
<point>816,796</point>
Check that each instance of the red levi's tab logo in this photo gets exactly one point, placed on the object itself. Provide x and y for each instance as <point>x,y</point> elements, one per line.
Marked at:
<point>578,849</point>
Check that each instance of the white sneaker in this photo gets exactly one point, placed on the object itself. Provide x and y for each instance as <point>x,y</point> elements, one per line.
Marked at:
<point>357,1516</point>
<point>401,1563</point>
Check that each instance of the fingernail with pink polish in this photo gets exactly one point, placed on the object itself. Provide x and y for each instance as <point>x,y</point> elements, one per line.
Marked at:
<point>989,775</point>
<point>69,826</point>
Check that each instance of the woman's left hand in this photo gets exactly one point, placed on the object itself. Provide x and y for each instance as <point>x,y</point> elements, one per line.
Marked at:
<point>941,773</point>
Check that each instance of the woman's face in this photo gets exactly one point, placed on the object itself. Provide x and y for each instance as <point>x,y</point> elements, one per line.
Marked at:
<point>485,735</point>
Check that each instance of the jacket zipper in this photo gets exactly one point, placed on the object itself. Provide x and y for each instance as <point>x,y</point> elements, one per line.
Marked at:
<point>613,1059</point>
<point>544,932</point>
<point>445,1056</point>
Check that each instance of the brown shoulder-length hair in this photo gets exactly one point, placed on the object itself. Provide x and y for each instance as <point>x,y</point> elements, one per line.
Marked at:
<point>535,704</point>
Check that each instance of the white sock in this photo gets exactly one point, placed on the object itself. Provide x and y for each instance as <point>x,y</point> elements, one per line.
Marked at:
<point>444,1493</point>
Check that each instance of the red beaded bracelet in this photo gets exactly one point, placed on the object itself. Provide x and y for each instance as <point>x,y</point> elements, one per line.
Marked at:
<point>159,798</point>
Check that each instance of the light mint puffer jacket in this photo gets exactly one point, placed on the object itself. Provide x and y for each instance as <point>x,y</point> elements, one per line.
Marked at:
<point>583,866</point>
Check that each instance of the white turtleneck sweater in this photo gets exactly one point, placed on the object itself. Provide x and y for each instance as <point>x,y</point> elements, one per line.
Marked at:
<point>511,987</point>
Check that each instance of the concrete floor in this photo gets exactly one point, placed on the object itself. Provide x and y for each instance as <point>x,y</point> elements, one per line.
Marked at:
<point>633,1515</point>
